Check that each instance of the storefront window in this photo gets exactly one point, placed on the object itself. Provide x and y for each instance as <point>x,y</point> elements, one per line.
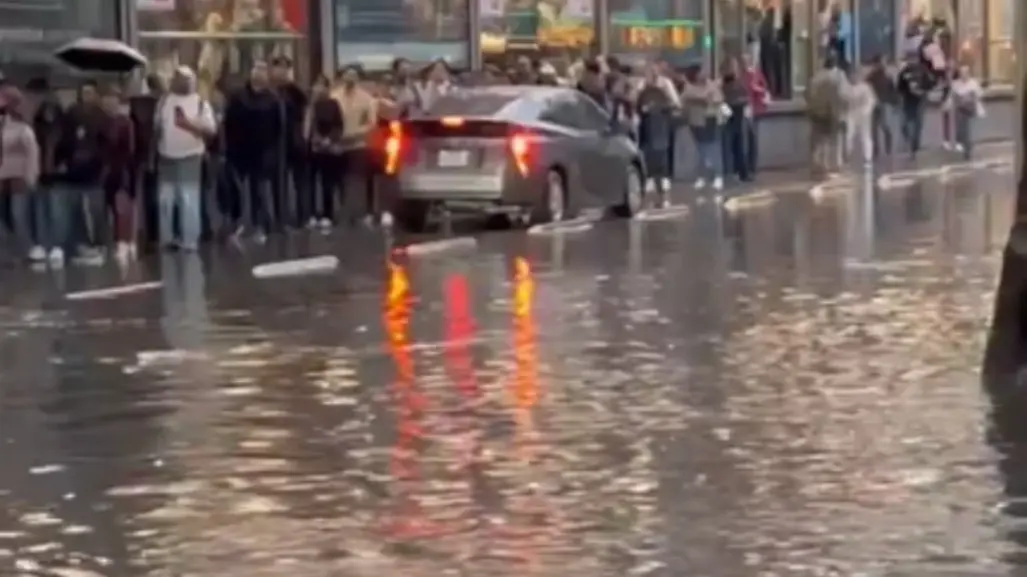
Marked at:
<point>373,33</point>
<point>221,39</point>
<point>770,27</point>
<point>834,32</point>
<point>729,31</point>
<point>876,29</point>
<point>920,15</point>
<point>971,35</point>
<point>801,40</point>
<point>1001,52</point>
<point>29,35</point>
<point>561,28</point>
<point>670,30</point>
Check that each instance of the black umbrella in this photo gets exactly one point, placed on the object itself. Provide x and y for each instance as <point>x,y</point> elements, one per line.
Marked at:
<point>100,55</point>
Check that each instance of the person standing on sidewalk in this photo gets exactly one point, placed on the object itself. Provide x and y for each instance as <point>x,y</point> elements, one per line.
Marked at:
<point>359,118</point>
<point>143,112</point>
<point>253,135</point>
<point>52,224</point>
<point>859,118</point>
<point>118,150</point>
<point>967,106</point>
<point>703,109</point>
<point>736,97</point>
<point>184,123</point>
<point>825,105</point>
<point>759,96</point>
<point>914,83</point>
<point>79,171</point>
<point>323,128</point>
<point>293,199</point>
<point>19,173</point>
<point>656,110</point>
<point>887,97</point>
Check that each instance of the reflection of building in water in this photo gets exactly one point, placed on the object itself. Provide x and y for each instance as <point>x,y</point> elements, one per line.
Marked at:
<point>220,38</point>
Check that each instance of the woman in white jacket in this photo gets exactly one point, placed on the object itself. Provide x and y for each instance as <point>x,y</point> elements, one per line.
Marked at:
<point>859,116</point>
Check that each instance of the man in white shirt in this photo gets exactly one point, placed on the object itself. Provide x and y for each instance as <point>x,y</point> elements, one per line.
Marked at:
<point>184,122</point>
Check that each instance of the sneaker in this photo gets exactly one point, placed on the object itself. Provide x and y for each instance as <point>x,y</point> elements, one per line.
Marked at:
<point>387,220</point>
<point>312,223</point>
<point>259,238</point>
<point>664,201</point>
<point>37,253</point>
<point>56,257</point>
<point>947,146</point>
<point>325,223</point>
<point>666,184</point>
<point>650,185</point>
<point>718,183</point>
<point>958,148</point>
<point>700,183</point>
<point>121,252</point>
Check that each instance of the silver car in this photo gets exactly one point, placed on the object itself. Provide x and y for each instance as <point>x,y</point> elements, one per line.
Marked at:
<point>535,154</point>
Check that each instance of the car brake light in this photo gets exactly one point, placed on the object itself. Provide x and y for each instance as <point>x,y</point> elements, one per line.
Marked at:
<point>393,148</point>
<point>452,121</point>
<point>520,148</point>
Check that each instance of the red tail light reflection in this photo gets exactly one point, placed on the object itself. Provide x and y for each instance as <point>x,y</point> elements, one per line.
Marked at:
<point>525,389</point>
<point>459,334</point>
<point>520,151</point>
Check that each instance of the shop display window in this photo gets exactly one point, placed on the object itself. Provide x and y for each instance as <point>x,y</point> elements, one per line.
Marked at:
<point>373,33</point>
<point>562,30</point>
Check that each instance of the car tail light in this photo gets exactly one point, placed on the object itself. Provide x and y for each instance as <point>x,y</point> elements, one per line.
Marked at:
<point>520,150</point>
<point>393,148</point>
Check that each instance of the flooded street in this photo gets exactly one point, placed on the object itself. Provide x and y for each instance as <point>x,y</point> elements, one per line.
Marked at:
<point>786,388</point>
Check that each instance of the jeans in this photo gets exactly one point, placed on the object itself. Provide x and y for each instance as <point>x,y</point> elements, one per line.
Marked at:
<point>326,176</point>
<point>882,128</point>
<point>24,209</point>
<point>734,136</point>
<point>752,141</point>
<point>913,126</point>
<point>964,123</point>
<point>90,215</point>
<point>255,185</point>
<point>53,210</point>
<point>179,183</point>
<point>860,129</point>
<point>708,146</point>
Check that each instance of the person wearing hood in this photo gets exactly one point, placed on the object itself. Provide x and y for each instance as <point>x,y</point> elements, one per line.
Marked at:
<point>79,168</point>
<point>19,172</point>
<point>294,204</point>
<point>184,122</point>
<point>254,133</point>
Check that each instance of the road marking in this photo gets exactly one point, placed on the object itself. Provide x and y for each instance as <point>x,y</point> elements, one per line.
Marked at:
<point>111,292</point>
<point>312,265</point>
<point>667,213</point>
<point>442,245</point>
<point>572,226</point>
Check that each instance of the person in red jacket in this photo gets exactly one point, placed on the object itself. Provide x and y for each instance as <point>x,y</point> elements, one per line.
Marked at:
<point>759,96</point>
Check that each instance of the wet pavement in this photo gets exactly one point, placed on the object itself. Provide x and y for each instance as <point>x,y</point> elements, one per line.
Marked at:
<point>788,387</point>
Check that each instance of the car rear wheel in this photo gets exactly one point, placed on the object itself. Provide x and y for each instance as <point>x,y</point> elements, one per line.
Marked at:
<point>552,207</point>
<point>634,194</point>
<point>412,216</point>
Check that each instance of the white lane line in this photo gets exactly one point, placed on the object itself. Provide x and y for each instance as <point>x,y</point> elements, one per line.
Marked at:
<point>563,227</point>
<point>667,213</point>
<point>438,246</point>
<point>313,265</point>
<point>111,292</point>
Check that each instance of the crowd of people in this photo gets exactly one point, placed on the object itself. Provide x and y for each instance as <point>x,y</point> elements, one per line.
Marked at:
<point>168,168</point>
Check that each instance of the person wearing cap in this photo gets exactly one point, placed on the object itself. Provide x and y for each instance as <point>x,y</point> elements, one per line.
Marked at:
<point>184,122</point>
<point>295,206</point>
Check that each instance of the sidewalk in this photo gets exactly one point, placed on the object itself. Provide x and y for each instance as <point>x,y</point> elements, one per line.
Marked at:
<point>798,179</point>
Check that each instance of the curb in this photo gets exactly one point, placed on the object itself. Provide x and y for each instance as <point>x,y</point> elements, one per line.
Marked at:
<point>443,245</point>
<point>317,264</point>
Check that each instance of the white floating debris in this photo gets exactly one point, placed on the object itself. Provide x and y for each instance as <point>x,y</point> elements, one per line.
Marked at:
<point>172,356</point>
<point>757,199</point>
<point>667,213</point>
<point>572,226</point>
<point>312,265</point>
<point>443,245</point>
<point>46,469</point>
<point>112,292</point>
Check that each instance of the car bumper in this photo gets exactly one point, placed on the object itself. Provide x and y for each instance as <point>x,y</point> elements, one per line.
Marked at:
<point>449,187</point>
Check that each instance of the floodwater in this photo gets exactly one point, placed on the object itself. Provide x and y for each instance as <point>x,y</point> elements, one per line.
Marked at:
<point>788,388</point>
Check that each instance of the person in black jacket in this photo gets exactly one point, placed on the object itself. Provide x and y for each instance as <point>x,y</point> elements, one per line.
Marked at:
<point>143,110</point>
<point>79,170</point>
<point>887,101</point>
<point>323,128</point>
<point>254,138</point>
<point>915,81</point>
<point>295,204</point>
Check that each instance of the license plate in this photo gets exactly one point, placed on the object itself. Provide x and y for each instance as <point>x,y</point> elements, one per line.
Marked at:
<point>453,158</point>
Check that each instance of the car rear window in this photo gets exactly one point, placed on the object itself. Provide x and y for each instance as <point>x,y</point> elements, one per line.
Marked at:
<point>501,106</point>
